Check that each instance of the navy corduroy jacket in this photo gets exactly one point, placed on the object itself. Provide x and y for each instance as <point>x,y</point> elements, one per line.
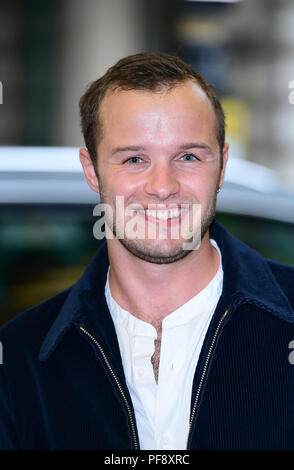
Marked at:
<point>62,383</point>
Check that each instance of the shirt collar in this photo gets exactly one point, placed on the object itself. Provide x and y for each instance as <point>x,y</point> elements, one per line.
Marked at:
<point>182,315</point>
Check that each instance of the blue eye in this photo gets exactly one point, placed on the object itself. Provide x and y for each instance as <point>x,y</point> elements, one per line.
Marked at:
<point>189,157</point>
<point>133,160</point>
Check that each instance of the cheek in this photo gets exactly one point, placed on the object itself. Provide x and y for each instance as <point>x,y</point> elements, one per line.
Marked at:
<point>203,185</point>
<point>122,185</point>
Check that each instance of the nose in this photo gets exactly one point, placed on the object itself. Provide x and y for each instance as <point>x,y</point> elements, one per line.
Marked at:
<point>162,182</point>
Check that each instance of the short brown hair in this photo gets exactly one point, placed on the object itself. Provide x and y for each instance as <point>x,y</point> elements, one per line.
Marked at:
<point>143,71</point>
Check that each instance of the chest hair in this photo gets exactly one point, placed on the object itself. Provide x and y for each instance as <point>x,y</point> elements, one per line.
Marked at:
<point>155,359</point>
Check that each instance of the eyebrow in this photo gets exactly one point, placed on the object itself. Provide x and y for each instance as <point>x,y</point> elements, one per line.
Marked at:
<point>198,145</point>
<point>129,148</point>
<point>137,148</point>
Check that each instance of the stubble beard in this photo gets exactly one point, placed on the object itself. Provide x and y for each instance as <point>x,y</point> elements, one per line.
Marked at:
<point>148,253</point>
<point>139,249</point>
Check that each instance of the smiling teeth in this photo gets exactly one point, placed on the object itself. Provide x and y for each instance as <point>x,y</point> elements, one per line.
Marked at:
<point>164,215</point>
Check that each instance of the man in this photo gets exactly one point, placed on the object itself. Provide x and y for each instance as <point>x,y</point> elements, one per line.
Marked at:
<point>167,341</point>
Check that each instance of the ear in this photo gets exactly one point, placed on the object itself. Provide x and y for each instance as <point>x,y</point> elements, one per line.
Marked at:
<point>225,155</point>
<point>89,170</point>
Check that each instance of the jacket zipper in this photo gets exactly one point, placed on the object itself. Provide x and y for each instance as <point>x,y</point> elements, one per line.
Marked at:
<point>118,385</point>
<point>204,373</point>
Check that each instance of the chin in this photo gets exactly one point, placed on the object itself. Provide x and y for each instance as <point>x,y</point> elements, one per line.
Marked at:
<point>157,253</point>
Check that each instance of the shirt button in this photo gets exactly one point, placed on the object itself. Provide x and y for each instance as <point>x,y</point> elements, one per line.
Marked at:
<point>165,440</point>
<point>141,372</point>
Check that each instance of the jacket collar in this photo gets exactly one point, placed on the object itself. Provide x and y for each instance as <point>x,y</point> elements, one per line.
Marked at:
<point>247,279</point>
<point>85,302</point>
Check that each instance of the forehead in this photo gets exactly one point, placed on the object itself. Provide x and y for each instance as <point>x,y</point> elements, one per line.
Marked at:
<point>181,107</point>
<point>181,92</point>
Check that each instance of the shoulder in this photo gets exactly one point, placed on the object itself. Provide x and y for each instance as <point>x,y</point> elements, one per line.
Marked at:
<point>284,275</point>
<point>31,325</point>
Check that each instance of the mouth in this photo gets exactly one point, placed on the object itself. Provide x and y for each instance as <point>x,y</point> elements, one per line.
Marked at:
<point>159,214</point>
<point>164,214</point>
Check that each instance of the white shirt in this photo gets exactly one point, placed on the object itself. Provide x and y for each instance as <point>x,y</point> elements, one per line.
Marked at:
<point>162,409</point>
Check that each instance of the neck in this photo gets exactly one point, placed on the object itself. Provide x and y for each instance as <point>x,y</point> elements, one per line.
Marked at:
<point>152,291</point>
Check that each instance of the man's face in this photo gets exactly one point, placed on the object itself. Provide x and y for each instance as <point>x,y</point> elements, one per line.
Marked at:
<point>160,152</point>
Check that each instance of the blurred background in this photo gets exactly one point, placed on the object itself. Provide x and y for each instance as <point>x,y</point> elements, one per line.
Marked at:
<point>51,49</point>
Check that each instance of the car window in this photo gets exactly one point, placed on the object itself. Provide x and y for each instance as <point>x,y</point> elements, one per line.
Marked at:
<point>43,250</point>
<point>272,238</point>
